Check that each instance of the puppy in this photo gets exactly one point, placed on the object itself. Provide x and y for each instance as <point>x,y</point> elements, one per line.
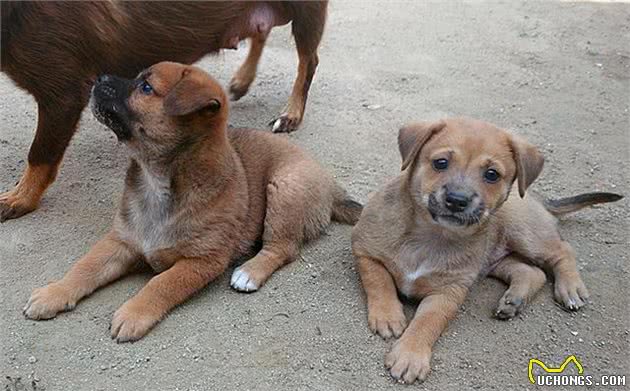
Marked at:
<point>196,196</point>
<point>55,49</point>
<point>449,218</point>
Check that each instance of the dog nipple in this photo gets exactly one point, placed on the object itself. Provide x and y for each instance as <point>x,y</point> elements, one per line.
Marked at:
<point>233,42</point>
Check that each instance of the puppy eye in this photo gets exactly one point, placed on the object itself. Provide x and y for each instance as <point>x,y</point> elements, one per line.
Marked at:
<point>440,164</point>
<point>146,88</point>
<point>491,175</point>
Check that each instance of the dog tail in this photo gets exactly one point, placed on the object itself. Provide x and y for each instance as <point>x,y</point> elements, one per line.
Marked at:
<point>345,209</point>
<point>566,205</point>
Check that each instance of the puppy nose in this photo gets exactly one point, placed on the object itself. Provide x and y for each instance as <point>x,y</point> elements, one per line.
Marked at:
<point>456,201</point>
<point>103,79</point>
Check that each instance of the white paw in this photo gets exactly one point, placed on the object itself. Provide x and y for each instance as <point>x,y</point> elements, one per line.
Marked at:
<point>276,125</point>
<point>242,282</point>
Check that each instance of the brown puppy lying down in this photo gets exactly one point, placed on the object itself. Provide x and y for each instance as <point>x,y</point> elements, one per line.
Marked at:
<point>449,218</point>
<point>55,50</point>
<point>196,196</point>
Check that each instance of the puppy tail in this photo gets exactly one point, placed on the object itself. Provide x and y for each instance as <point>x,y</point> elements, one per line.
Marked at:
<point>345,209</point>
<point>571,204</point>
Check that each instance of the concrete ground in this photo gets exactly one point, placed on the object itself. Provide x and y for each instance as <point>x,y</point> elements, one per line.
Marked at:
<point>557,73</point>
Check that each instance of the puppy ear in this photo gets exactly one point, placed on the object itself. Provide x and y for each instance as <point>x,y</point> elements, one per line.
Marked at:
<point>189,96</point>
<point>529,163</point>
<point>413,136</point>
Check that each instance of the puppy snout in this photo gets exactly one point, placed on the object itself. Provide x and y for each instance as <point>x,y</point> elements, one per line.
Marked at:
<point>457,201</point>
<point>103,79</point>
<point>103,87</point>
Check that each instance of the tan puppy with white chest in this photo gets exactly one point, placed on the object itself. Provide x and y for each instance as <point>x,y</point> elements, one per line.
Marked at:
<point>196,197</point>
<point>448,219</point>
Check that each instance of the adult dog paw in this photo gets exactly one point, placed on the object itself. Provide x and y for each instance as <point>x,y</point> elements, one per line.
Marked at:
<point>286,123</point>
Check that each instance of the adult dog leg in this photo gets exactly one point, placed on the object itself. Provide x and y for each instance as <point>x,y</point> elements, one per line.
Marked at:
<point>56,123</point>
<point>307,30</point>
<point>243,78</point>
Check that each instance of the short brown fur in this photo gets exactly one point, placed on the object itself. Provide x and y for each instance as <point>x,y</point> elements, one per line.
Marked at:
<point>415,238</point>
<point>196,197</point>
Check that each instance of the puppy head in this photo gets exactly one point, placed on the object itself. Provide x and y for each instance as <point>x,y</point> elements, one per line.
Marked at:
<point>166,108</point>
<point>462,170</point>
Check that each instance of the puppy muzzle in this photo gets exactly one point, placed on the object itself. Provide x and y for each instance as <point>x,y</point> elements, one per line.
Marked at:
<point>109,104</point>
<point>452,209</point>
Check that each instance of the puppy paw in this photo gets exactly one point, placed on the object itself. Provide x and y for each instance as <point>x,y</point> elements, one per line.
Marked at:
<point>47,302</point>
<point>571,292</point>
<point>130,322</point>
<point>387,321</point>
<point>14,205</point>
<point>286,123</point>
<point>407,363</point>
<point>509,306</point>
<point>243,281</point>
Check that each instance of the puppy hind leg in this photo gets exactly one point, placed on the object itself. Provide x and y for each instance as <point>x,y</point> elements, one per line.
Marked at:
<point>250,276</point>
<point>524,282</point>
<point>291,218</point>
<point>569,289</point>
<point>557,255</point>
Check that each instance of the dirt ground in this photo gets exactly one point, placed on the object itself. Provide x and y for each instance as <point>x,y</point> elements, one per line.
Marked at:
<point>557,73</point>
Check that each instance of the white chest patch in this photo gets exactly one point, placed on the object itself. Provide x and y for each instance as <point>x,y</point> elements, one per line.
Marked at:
<point>151,223</point>
<point>422,270</point>
<point>413,265</point>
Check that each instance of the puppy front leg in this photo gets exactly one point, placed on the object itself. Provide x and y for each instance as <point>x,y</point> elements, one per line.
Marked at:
<point>410,356</point>
<point>163,292</point>
<point>385,312</point>
<point>108,260</point>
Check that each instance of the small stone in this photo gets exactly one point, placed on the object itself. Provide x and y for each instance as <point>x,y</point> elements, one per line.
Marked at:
<point>574,333</point>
